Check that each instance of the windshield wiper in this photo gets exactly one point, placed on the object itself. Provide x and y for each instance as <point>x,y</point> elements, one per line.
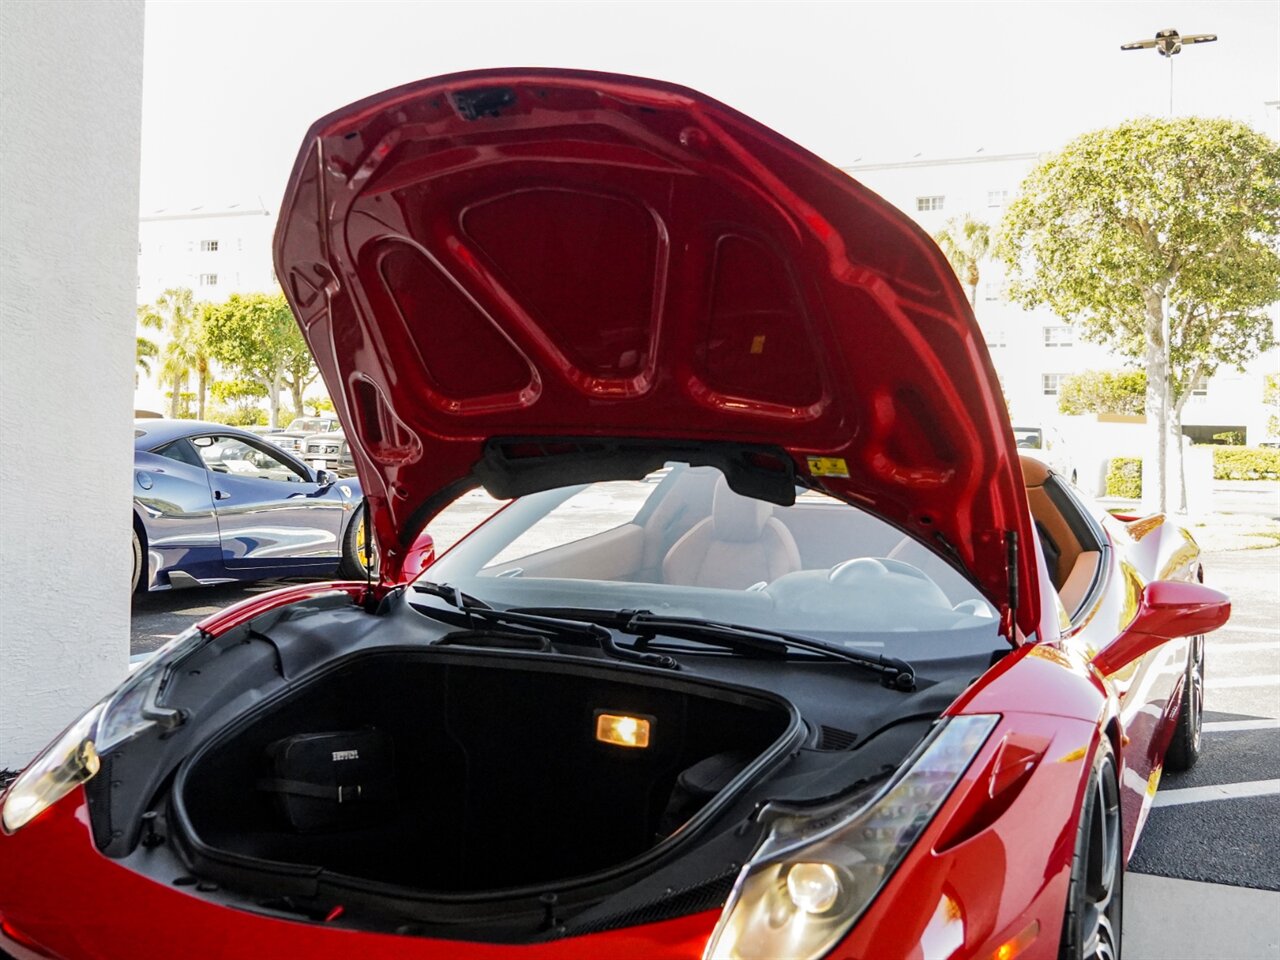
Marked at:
<point>894,673</point>
<point>472,612</point>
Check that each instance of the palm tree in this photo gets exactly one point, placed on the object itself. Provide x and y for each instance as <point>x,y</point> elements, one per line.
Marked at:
<point>142,357</point>
<point>176,314</point>
<point>965,242</point>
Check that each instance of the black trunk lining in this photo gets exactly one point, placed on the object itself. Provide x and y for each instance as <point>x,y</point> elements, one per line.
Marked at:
<point>498,782</point>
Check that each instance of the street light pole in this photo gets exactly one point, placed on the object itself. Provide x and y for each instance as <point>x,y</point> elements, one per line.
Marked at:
<point>1168,43</point>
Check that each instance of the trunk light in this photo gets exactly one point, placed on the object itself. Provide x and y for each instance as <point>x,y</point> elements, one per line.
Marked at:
<point>622,730</point>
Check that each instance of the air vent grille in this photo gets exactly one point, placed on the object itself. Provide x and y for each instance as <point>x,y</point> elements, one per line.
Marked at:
<point>833,738</point>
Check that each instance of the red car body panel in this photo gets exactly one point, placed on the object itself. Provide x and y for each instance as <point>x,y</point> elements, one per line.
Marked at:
<point>923,443</point>
<point>538,253</point>
<point>51,867</point>
<point>967,884</point>
<point>992,867</point>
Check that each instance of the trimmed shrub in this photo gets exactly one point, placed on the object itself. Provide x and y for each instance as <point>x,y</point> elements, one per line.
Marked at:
<point>1124,477</point>
<point>239,416</point>
<point>1244,463</point>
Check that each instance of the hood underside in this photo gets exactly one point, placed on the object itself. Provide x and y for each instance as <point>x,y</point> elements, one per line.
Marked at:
<point>533,255</point>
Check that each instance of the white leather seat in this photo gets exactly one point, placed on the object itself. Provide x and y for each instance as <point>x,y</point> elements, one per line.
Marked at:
<point>740,544</point>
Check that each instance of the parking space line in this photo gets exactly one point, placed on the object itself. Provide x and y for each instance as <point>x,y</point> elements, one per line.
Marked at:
<point>1245,628</point>
<point>1229,726</point>
<point>1261,680</point>
<point>1219,791</point>
<point>1246,647</point>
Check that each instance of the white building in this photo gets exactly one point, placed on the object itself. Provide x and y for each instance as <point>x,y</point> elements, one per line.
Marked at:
<point>214,251</point>
<point>1034,349</point>
<point>219,251</point>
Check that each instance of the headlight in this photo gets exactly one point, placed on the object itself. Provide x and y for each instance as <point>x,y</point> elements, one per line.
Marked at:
<point>69,760</point>
<point>818,870</point>
<point>72,759</point>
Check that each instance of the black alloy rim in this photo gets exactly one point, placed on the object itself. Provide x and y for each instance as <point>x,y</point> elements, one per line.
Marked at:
<point>1195,691</point>
<point>1100,916</point>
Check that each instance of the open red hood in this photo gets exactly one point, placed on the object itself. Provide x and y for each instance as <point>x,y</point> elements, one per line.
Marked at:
<point>559,254</point>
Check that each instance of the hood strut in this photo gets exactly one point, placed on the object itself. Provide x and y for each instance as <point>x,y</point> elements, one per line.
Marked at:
<point>1011,539</point>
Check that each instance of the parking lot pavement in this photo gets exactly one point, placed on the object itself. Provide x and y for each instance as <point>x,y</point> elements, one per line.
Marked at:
<point>1216,824</point>
<point>1170,919</point>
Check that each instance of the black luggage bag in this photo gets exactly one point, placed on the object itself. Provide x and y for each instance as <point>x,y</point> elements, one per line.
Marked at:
<point>331,781</point>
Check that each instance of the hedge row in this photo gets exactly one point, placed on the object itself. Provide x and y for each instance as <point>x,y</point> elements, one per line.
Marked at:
<point>1124,474</point>
<point>1246,463</point>
<point>1124,478</point>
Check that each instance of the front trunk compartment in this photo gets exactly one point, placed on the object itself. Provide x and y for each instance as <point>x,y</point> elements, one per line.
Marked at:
<point>499,787</point>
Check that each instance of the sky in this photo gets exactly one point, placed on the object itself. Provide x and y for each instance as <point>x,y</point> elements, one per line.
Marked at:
<point>229,87</point>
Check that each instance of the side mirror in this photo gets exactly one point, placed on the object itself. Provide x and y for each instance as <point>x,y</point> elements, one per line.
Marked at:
<point>326,478</point>
<point>1168,609</point>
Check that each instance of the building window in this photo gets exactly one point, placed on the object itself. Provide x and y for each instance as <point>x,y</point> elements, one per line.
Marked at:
<point>208,279</point>
<point>1201,387</point>
<point>929,203</point>
<point>208,246</point>
<point>1059,336</point>
<point>995,337</point>
<point>991,290</point>
<point>997,198</point>
<point>1050,383</point>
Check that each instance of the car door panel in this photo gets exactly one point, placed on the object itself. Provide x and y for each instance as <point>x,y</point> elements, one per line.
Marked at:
<point>268,515</point>
<point>175,504</point>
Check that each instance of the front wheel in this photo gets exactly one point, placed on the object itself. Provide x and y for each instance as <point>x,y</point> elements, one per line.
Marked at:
<point>1091,927</point>
<point>1184,748</point>
<point>137,563</point>
<point>353,549</point>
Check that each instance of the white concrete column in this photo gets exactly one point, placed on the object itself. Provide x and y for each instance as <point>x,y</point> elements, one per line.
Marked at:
<point>71,89</point>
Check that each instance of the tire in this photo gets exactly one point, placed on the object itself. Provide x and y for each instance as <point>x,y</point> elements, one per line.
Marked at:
<point>137,563</point>
<point>1184,748</point>
<point>1091,925</point>
<point>352,566</point>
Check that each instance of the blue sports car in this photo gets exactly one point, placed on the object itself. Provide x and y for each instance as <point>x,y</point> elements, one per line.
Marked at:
<point>213,503</point>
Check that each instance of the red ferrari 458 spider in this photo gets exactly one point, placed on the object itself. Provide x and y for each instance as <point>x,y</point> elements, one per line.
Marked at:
<point>778,650</point>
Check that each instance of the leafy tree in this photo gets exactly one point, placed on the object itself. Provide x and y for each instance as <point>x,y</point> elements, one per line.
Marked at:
<point>300,369</point>
<point>319,405</point>
<point>965,242</point>
<point>180,404</point>
<point>1271,398</point>
<point>1103,391</point>
<point>1159,238</point>
<point>240,398</point>
<point>177,315</point>
<point>239,416</point>
<point>255,336</point>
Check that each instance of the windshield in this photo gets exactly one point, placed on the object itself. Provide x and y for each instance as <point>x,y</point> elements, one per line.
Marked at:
<point>681,543</point>
<point>310,426</point>
<point>1028,438</point>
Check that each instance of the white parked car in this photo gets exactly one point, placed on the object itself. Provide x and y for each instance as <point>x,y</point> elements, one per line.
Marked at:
<point>1047,445</point>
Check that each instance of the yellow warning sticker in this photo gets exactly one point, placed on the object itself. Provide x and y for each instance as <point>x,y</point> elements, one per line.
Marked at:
<point>757,344</point>
<point>828,467</point>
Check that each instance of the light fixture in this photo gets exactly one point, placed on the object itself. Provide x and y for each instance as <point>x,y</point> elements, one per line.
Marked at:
<point>623,730</point>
